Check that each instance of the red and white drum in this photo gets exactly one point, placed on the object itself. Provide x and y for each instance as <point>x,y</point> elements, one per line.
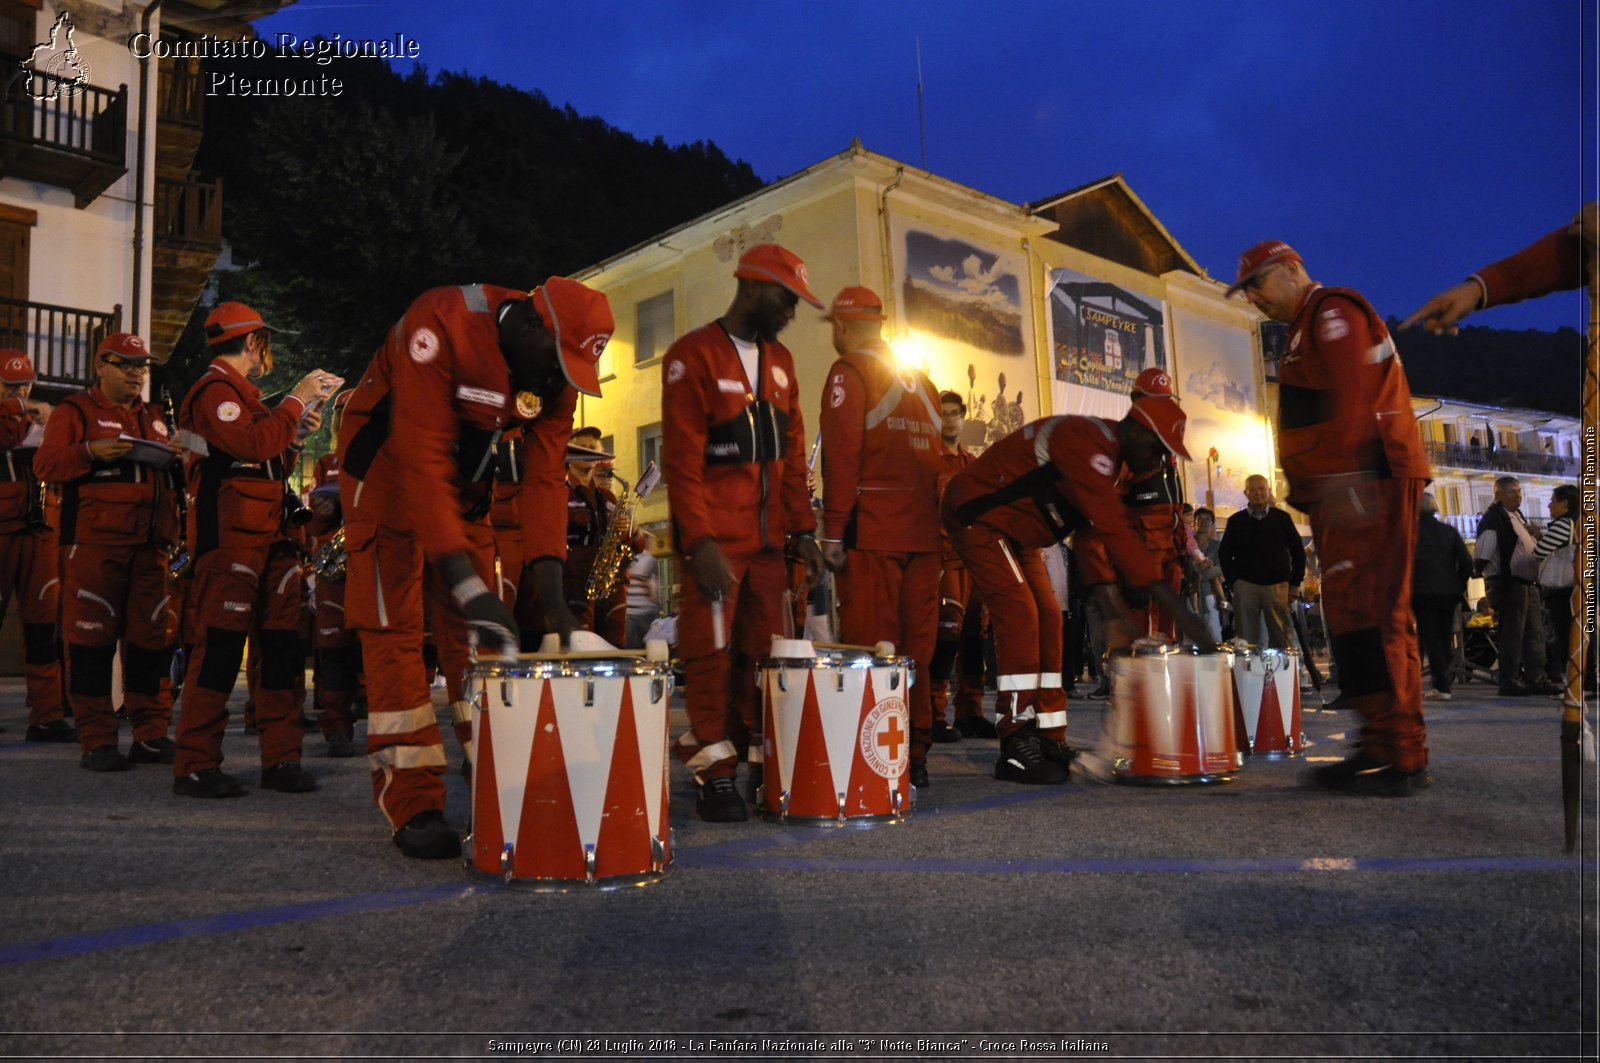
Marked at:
<point>1266,686</point>
<point>837,735</point>
<point>569,780</point>
<point>1171,718</point>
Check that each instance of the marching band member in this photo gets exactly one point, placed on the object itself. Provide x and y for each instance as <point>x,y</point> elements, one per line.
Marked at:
<point>1042,482</point>
<point>29,570</point>
<point>880,486</point>
<point>591,507</point>
<point>337,648</point>
<point>246,572</point>
<point>417,447</point>
<point>733,451</point>
<point>961,614</point>
<point>118,517</point>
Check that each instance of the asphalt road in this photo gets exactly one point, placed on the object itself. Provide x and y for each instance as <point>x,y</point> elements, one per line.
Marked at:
<point>1256,919</point>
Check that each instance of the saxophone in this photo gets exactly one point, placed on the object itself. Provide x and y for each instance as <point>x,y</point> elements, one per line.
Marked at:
<point>329,562</point>
<point>179,560</point>
<point>616,549</point>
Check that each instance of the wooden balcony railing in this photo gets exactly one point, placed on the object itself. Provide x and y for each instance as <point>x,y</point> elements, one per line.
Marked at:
<point>189,212</point>
<point>61,340</point>
<point>181,92</point>
<point>76,140</point>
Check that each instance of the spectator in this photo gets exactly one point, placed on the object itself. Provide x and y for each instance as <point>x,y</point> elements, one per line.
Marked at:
<point>644,593</point>
<point>1209,590</point>
<point>1557,572</point>
<point>1504,556</point>
<point>1438,582</point>
<point>1263,562</point>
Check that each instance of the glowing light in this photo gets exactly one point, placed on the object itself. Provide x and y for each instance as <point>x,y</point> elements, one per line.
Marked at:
<point>913,350</point>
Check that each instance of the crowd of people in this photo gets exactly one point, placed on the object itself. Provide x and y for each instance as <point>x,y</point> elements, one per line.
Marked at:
<point>462,512</point>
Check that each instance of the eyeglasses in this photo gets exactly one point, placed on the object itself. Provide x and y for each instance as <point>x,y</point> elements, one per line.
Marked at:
<point>1254,283</point>
<point>130,368</point>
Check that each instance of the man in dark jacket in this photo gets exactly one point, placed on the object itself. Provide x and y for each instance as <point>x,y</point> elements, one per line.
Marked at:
<point>1263,563</point>
<point>1503,555</point>
<point>1438,581</point>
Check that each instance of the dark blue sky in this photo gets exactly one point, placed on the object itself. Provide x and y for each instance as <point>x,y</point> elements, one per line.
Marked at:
<point>1397,144</point>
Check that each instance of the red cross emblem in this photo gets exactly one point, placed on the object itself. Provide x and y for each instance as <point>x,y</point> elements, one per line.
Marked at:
<point>891,737</point>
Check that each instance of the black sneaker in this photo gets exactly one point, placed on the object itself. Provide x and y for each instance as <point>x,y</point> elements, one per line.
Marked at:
<point>943,732</point>
<point>1022,760</point>
<point>105,758</point>
<point>1543,686</point>
<point>720,801</point>
<point>161,751</point>
<point>342,746</point>
<point>428,836</point>
<point>54,731</point>
<point>976,727</point>
<point>1100,693</point>
<point>1512,690</point>
<point>1366,775</point>
<point>211,782</point>
<point>287,778</point>
<point>918,774</point>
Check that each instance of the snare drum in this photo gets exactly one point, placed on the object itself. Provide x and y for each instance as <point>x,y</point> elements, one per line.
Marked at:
<point>1266,684</point>
<point>837,735</point>
<point>1171,718</point>
<point>569,780</point>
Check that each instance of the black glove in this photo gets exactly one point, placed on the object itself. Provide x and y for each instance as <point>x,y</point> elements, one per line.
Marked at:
<point>553,598</point>
<point>491,624</point>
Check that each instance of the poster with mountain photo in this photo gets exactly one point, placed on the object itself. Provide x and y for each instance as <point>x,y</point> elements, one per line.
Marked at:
<point>966,306</point>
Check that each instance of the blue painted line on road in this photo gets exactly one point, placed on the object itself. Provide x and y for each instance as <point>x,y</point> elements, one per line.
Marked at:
<point>226,922</point>
<point>1141,866</point>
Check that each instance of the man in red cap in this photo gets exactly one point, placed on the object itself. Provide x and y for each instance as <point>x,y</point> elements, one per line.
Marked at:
<point>733,454</point>
<point>246,572</point>
<point>1041,483</point>
<point>28,564</point>
<point>417,445</point>
<point>880,487</point>
<point>1350,450</point>
<point>117,519</point>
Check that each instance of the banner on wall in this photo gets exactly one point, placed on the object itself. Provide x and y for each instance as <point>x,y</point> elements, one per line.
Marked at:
<point>1101,337</point>
<point>1216,384</point>
<point>963,307</point>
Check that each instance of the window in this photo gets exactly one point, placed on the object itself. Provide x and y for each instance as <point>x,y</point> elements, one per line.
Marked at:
<point>653,328</point>
<point>1450,432</point>
<point>649,446</point>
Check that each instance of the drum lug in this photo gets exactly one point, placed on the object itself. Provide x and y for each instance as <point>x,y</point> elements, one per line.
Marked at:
<point>783,805</point>
<point>505,692</point>
<point>658,690</point>
<point>588,863</point>
<point>838,680</point>
<point>505,862</point>
<point>842,816</point>
<point>783,679</point>
<point>658,854</point>
<point>588,692</point>
<point>894,800</point>
<point>894,679</point>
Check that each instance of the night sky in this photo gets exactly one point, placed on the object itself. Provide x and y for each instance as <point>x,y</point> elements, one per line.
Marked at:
<point>1397,144</point>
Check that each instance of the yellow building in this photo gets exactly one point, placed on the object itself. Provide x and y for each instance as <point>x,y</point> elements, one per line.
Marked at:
<point>1027,310</point>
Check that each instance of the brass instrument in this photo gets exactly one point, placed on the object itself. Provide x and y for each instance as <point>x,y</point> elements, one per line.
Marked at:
<point>616,549</point>
<point>179,560</point>
<point>329,562</point>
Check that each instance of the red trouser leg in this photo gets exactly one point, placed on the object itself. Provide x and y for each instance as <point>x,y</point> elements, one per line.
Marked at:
<point>451,633</point>
<point>222,602</point>
<point>30,575</point>
<point>1027,634</point>
<point>148,642</point>
<point>895,597</point>
<point>94,615</point>
<point>969,672</point>
<point>338,662</point>
<point>953,585</point>
<point>383,602</point>
<point>1366,542</point>
<point>755,601</point>
<point>280,699</point>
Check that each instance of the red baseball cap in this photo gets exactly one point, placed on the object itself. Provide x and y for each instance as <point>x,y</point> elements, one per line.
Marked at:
<point>777,265</point>
<point>856,304</point>
<point>125,345</point>
<point>580,320</point>
<point>15,367</point>
<point>1153,381</point>
<point>1257,259</point>
<point>1163,416</point>
<point>232,320</point>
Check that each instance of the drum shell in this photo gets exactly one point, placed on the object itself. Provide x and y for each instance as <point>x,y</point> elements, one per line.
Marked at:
<point>569,782</point>
<point>1266,687</point>
<point>1172,718</point>
<point>836,739</point>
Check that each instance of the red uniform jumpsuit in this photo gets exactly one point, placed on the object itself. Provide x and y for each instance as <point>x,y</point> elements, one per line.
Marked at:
<point>247,575</point>
<point>1031,489</point>
<point>880,481</point>
<point>590,511</point>
<point>338,649</point>
<point>441,384</point>
<point>1154,507</point>
<point>961,616</point>
<point>734,461</point>
<point>29,571</point>
<point>116,522</point>
<point>1350,449</point>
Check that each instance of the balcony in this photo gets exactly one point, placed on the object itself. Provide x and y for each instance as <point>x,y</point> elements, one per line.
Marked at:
<point>189,212</point>
<point>180,93</point>
<point>1501,460</point>
<point>78,140</point>
<point>61,340</point>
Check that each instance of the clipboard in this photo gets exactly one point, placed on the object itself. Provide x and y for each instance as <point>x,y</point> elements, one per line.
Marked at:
<point>147,452</point>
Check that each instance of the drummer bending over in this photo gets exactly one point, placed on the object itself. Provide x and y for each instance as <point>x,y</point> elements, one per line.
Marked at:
<point>416,450</point>
<point>1049,479</point>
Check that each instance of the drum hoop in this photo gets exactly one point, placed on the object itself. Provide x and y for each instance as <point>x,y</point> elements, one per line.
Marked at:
<point>823,660</point>
<point>555,666</point>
